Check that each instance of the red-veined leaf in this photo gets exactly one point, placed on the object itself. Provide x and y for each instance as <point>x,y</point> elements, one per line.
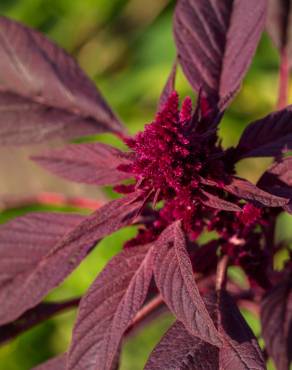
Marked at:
<point>109,308</point>
<point>179,350</point>
<point>213,201</point>
<point>240,350</point>
<point>248,191</point>
<point>216,41</point>
<point>266,137</point>
<point>175,280</point>
<point>90,163</point>
<point>28,277</point>
<point>57,363</point>
<point>44,93</point>
<point>276,318</point>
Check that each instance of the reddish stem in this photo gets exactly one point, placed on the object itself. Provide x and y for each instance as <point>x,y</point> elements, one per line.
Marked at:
<point>283,80</point>
<point>221,277</point>
<point>47,199</point>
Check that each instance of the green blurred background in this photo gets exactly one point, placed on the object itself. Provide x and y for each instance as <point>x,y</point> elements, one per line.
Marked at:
<point>127,48</point>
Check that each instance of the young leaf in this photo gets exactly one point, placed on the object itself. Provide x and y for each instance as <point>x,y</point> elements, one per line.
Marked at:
<point>279,25</point>
<point>33,317</point>
<point>248,191</point>
<point>213,201</point>
<point>267,137</point>
<point>57,363</point>
<point>216,41</point>
<point>178,350</point>
<point>108,309</point>
<point>168,88</point>
<point>240,350</point>
<point>92,163</point>
<point>42,82</point>
<point>276,318</point>
<point>24,281</point>
<point>175,280</point>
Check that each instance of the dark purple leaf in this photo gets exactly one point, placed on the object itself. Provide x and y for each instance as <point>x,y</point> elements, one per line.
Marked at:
<point>279,24</point>
<point>168,88</point>
<point>276,318</point>
<point>240,350</point>
<point>178,350</point>
<point>278,179</point>
<point>175,280</point>
<point>29,270</point>
<point>108,309</point>
<point>57,363</point>
<point>216,41</point>
<point>43,86</point>
<point>248,191</point>
<point>93,163</point>
<point>269,136</point>
<point>213,201</point>
<point>33,317</point>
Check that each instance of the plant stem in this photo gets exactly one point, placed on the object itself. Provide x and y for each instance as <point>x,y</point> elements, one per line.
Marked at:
<point>221,277</point>
<point>48,199</point>
<point>283,80</point>
<point>35,316</point>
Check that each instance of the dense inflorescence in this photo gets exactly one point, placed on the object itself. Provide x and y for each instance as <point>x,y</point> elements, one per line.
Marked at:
<point>175,164</point>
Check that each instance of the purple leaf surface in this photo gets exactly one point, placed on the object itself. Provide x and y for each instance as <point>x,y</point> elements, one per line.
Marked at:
<point>108,309</point>
<point>216,41</point>
<point>213,201</point>
<point>279,25</point>
<point>27,278</point>
<point>240,350</point>
<point>175,280</point>
<point>57,363</point>
<point>248,191</point>
<point>276,318</point>
<point>92,163</point>
<point>41,81</point>
<point>24,242</point>
<point>179,350</point>
<point>266,137</point>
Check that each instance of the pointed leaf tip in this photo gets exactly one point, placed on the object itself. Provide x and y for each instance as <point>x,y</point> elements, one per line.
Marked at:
<point>216,41</point>
<point>43,92</point>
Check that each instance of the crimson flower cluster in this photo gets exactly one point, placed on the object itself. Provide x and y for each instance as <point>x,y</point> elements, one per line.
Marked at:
<point>177,186</point>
